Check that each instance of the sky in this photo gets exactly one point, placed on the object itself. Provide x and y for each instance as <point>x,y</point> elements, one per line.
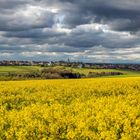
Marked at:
<point>96,31</point>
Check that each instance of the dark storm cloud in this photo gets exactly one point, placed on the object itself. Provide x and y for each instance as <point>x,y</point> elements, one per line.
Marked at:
<point>77,13</point>
<point>10,4</point>
<point>82,37</point>
<point>19,22</point>
<point>34,33</point>
<point>70,28</point>
<point>131,26</point>
<point>104,11</point>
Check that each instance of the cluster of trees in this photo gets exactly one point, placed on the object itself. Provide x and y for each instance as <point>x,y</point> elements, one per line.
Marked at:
<point>99,74</point>
<point>49,73</point>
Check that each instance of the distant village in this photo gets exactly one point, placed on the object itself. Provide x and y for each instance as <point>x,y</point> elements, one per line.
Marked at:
<point>135,67</point>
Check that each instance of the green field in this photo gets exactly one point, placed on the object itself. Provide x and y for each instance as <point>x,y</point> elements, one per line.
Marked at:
<point>4,70</point>
<point>18,69</point>
<point>126,73</point>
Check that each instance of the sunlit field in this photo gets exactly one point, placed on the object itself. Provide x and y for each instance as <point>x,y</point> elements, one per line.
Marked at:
<point>82,109</point>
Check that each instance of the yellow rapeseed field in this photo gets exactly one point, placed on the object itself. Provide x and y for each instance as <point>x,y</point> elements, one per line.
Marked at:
<point>84,109</point>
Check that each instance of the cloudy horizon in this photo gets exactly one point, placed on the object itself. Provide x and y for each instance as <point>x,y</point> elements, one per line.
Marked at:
<point>97,31</point>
